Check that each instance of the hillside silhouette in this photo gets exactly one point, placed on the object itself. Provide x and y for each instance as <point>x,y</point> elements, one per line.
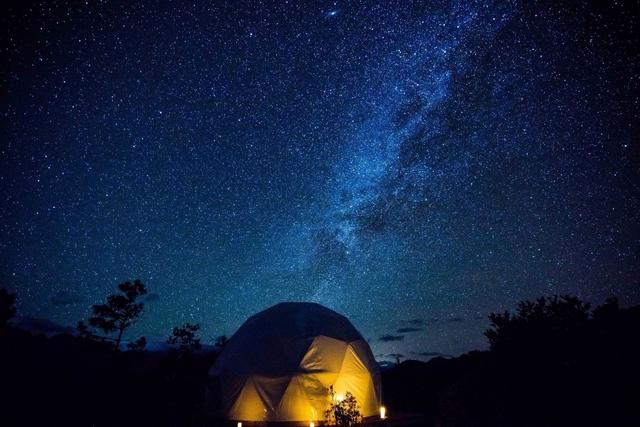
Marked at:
<point>553,362</point>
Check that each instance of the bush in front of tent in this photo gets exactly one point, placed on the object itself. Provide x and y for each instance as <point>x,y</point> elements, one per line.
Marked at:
<point>343,411</point>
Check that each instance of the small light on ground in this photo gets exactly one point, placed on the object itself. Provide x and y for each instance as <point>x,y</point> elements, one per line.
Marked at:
<point>383,412</point>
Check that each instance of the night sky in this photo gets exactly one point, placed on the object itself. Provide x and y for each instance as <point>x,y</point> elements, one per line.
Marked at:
<point>412,165</point>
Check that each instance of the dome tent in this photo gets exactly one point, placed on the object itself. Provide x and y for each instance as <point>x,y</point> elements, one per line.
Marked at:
<point>278,366</point>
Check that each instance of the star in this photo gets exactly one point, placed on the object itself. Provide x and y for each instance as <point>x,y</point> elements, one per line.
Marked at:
<point>404,167</point>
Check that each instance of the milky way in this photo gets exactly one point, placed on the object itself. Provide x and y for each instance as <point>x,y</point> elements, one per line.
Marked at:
<point>413,165</point>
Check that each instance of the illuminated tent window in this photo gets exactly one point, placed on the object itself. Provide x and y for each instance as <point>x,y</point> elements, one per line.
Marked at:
<point>279,364</point>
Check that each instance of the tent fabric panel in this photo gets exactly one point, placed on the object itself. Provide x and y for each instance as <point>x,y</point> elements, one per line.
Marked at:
<point>306,398</point>
<point>249,404</point>
<point>231,388</point>
<point>366,356</point>
<point>304,320</point>
<point>316,386</point>
<point>325,354</point>
<point>271,391</point>
<point>270,356</point>
<point>295,404</point>
<point>355,378</point>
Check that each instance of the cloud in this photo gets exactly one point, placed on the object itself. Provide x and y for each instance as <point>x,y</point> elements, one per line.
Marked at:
<point>40,326</point>
<point>65,298</point>
<point>384,359</point>
<point>410,329</point>
<point>152,297</point>
<point>388,338</point>
<point>416,325</point>
<point>385,364</point>
<point>431,354</point>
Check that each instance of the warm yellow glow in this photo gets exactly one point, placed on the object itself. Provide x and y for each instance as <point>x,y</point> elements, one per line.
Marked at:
<point>341,368</point>
<point>312,424</point>
<point>239,424</point>
<point>383,412</point>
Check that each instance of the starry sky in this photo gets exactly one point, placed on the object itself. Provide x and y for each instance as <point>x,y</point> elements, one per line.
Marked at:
<point>413,165</point>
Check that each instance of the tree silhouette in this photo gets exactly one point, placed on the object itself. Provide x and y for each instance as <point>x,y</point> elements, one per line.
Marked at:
<point>608,311</point>
<point>120,311</point>
<point>7,308</point>
<point>185,338</point>
<point>536,323</point>
<point>83,329</point>
<point>221,341</point>
<point>343,411</point>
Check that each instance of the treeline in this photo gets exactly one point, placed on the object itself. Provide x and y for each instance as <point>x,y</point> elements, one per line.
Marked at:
<point>91,378</point>
<point>554,362</point>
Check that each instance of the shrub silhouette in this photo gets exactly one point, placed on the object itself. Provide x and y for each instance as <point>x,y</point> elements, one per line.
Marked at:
<point>344,412</point>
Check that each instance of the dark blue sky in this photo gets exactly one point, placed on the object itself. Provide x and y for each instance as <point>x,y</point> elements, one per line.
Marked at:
<point>413,165</point>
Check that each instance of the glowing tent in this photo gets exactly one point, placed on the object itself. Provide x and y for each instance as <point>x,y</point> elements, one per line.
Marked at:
<point>279,364</point>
